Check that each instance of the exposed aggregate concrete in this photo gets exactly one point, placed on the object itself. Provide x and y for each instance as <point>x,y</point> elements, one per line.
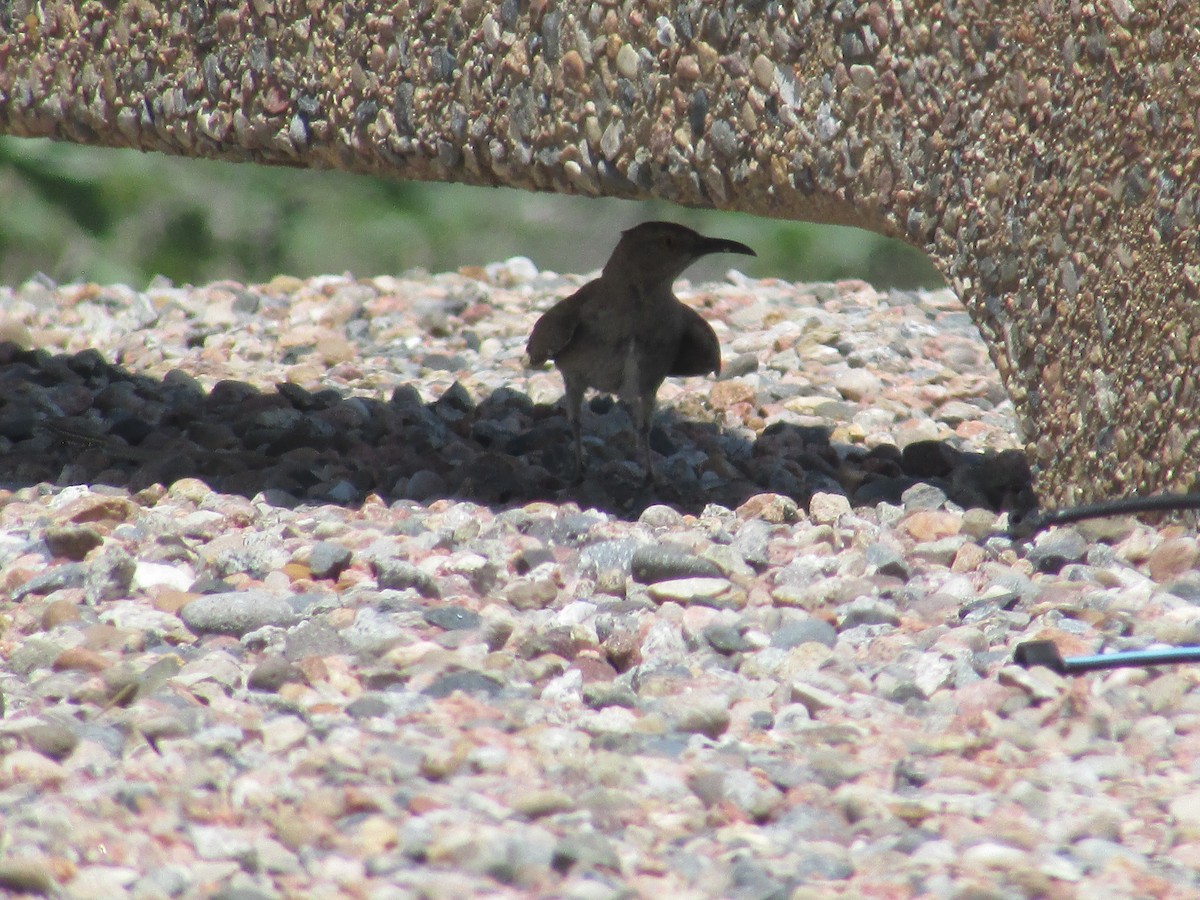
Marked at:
<point>309,610</point>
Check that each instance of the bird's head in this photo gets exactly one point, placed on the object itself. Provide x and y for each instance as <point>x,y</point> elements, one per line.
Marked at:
<point>654,253</point>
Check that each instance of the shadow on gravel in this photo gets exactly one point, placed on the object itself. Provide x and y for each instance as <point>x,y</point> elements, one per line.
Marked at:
<point>78,419</point>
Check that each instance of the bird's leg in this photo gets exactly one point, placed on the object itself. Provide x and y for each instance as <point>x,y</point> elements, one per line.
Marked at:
<point>650,475</point>
<point>577,431</point>
<point>638,398</point>
<point>574,398</point>
<point>643,413</point>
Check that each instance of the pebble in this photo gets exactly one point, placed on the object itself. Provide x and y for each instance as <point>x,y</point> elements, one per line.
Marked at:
<point>888,560</point>
<point>1186,812</point>
<point>1172,558</point>
<point>398,574</point>
<point>352,588</point>
<point>453,618</point>
<point>930,525</point>
<point>328,560</point>
<point>868,611</point>
<point>237,613</point>
<point>802,631</point>
<point>272,674</point>
<point>52,739</point>
<point>627,61</point>
<point>726,639</point>
<point>148,575</point>
<point>858,385</point>
<point>467,682</point>
<point>26,876</point>
<point>68,575</point>
<point>30,767</point>
<point>72,541</point>
<point>663,562</point>
<point>826,509</point>
<point>702,715</point>
<point>815,699</point>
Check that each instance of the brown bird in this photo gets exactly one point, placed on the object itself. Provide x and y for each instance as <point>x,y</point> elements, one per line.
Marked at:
<point>626,331</point>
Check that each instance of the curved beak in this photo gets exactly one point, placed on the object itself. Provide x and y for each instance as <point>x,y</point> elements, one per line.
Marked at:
<point>707,245</point>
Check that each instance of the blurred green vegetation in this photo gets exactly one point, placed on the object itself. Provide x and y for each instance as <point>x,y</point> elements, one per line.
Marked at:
<point>92,214</point>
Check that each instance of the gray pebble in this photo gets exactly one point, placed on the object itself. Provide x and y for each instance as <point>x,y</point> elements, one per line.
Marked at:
<point>68,575</point>
<point>560,641</point>
<point>742,364</point>
<point>762,720</point>
<point>823,865</point>
<point>313,638</point>
<point>600,694</point>
<point>73,542</point>
<point>255,553</point>
<point>751,542</point>
<point>737,788</point>
<point>342,492</point>
<point>1056,548</point>
<point>567,529</point>
<point>664,562</point>
<point>1186,588</point>
<point>832,769</point>
<point>397,574</point>
<point>802,631</point>
<point>273,673</point>
<point>169,881</point>
<point>52,738</point>
<point>109,576</point>
<point>867,611</point>
<point>26,876</point>
<point>328,560</point>
<point>312,601</point>
<point>940,552</point>
<point>465,680</point>
<point>923,496</point>
<point>368,706</point>
<point>706,716</point>
<point>111,737</point>
<point>725,639</point>
<point>605,556</point>
<point>531,557</point>
<point>452,618</point>
<point>887,560</point>
<point>375,631</point>
<point>583,851</point>
<point>237,613</point>
<point>660,516</point>
<point>33,654</point>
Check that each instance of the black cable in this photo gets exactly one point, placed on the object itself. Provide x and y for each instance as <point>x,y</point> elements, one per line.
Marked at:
<point>1046,653</point>
<point>1022,526</point>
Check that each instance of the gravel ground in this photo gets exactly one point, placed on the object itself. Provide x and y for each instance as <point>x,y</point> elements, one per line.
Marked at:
<point>298,599</point>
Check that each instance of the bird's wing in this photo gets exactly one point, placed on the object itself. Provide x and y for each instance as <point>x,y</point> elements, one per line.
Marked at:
<point>554,330</point>
<point>699,350</point>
